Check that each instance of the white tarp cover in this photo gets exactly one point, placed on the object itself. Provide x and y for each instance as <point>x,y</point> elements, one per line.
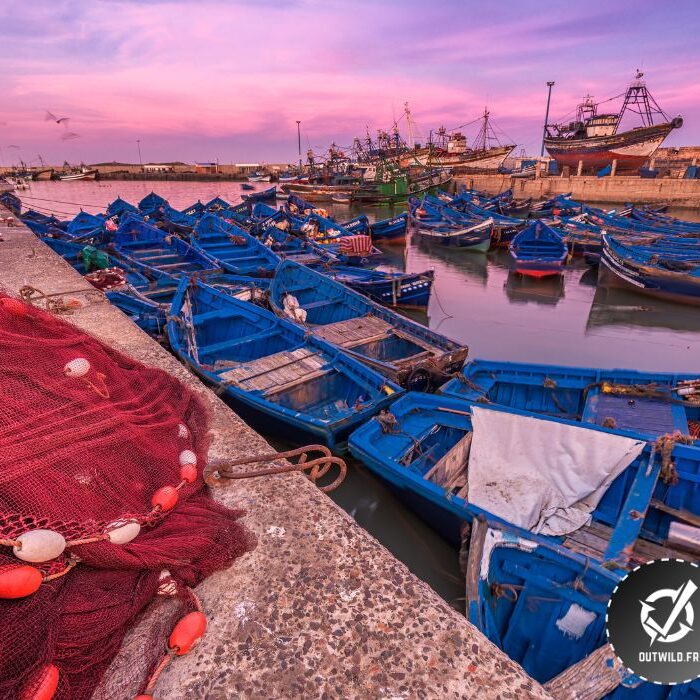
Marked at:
<point>542,475</point>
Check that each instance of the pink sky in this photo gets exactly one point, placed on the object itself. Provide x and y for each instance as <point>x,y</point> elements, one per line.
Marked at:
<point>227,80</point>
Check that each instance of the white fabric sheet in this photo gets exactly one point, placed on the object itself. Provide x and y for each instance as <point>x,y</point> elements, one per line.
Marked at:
<point>542,475</point>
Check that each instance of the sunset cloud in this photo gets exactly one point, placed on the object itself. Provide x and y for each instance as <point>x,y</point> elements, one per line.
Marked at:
<point>214,79</point>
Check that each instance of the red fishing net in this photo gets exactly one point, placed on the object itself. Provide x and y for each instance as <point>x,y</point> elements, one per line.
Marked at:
<point>88,439</point>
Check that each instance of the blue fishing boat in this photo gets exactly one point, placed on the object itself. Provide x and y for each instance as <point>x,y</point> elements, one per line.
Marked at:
<point>407,290</point>
<point>119,207</point>
<point>475,238</point>
<point>545,606</point>
<point>258,176</point>
<point>12,202</point>
<point>235,250</point>
<point>655,272</point>
<point>173,221</point>
<point>391,230</point>
<point>151,203</point>
<point>247,186</point>
<point>42,224</point>
<point>406,352</point>
<point>86,226</point>
<point>566,482</point>
<point>269,194</point>
<point>650,404</point>
<point>538,251</point>
<point>156,253</point>
<point>276,375</point>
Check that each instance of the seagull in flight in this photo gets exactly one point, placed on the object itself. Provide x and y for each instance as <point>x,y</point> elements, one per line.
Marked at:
<point>53,118</point>
<point>70,135</point>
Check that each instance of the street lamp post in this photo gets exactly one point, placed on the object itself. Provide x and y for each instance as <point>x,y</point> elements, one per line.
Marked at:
<point>299,142</point>
<point>550,85</point>
<point>138,145</point>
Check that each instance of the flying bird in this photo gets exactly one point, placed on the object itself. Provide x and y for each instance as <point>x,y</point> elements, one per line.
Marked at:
<point>53,118</point>
<point>69,135</point>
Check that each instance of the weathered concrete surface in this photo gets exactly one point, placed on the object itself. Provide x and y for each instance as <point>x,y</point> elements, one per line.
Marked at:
<point>637,190</point>
<point>319,608</point>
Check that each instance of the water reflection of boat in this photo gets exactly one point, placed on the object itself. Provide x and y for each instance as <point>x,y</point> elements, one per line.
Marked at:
<point>613,306</point>
<point>590,277</point>
<point>473,266</point>
<point>548,290</point>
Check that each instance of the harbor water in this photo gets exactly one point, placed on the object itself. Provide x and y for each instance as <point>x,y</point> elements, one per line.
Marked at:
<point>478,301</point>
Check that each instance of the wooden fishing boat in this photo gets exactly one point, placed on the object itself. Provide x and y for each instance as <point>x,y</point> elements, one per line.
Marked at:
<point>613,497</point>
<point>538,251</point>
<point>259,177</point>
<point>262,196</point>
<point>156,253</point>
<point>394,289</point>
<point>404,351</point>
<point>81,173</point>
<point>234,250</point>
<point>276,375</point>
<point>595,140</point>
<point>650,404</point>
<point>657,273</point>
<point>546,606</point>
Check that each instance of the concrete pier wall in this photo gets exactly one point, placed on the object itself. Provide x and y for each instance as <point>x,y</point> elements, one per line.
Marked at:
<point>319,608</point>
<point>637,190</point>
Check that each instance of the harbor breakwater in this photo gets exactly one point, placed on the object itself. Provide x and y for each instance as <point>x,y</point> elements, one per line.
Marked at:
<point>319,608</point>
<point>677,192</point>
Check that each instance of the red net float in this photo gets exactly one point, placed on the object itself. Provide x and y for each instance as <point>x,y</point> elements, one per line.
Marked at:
<point>165,498</point>
<point>19,581</point>
<point>39,545</point>
<point>188,473</point>
<point>42,686</point>
<point>187,633</point>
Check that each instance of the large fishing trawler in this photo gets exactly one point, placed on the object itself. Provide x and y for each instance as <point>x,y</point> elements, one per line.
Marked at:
<point>595,140</point>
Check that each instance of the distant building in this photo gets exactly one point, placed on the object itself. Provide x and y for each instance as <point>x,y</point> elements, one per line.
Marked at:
<point>206,168</point>
<point>158,168</point>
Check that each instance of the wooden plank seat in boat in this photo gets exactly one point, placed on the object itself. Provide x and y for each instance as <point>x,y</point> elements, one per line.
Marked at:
<point>452,470</point>
<point>366,329</point>
<point>274,373</point>
<point>592,541</point>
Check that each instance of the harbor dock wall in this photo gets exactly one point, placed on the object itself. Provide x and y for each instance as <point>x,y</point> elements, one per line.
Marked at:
<point>677,192</point>
<point>319,608</point>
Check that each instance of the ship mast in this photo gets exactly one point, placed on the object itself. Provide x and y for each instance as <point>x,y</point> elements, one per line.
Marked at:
<point>639,101</point>
<point>407,112</point>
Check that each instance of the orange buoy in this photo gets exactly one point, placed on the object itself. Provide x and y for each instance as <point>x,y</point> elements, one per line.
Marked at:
<point>19,581</point>
<point>14,306</point>
<point>187,633</point>
<point>143,697</point>
<point>42,685</point>
<point>165,497</point>
<point>188,473</point>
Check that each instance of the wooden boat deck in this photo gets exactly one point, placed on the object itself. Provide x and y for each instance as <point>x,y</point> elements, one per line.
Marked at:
<point>366,329</point>
<point>278,372</point>
<point>592,541</point>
